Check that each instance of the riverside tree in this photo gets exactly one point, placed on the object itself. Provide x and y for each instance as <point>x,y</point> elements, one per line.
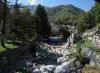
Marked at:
<point>96,11</point>
<point>43,26</point>
<point>1,9</point>
<point>81,26</point>
<point>97,1</point>
<point>17,21</point>
<point>28,24</point>
<point>4,11</point>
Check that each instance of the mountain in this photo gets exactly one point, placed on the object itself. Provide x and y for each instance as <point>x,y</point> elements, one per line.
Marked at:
<point>58,11</point>
<point>63,11</point>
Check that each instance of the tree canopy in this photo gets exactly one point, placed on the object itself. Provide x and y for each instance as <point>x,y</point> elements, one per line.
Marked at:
<point>43,26</point>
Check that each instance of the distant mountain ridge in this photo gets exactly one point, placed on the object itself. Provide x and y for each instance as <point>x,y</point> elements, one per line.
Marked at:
<point>33,7</point>
<point>63,11</point>
<point>57,11</point>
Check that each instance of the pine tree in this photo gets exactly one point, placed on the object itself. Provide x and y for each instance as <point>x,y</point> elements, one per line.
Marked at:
<point>97,12</point>
<point>97,1</point>
<point>28,24</point>
<point>43,26</point>
<point>81,26</point>
<point>16,22</point>
<point>3,21</point>
<point>1,9</point>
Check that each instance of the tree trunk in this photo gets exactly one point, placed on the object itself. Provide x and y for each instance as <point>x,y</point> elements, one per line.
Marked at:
<point>2,32</point>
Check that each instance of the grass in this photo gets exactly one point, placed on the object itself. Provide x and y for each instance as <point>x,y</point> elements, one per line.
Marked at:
<point>8,45</point>
<point>88,43</point>
<point>2,49</point>
<point>91,70</point>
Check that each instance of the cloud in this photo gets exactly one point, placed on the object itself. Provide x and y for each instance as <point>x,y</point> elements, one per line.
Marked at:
<point>33,2</point>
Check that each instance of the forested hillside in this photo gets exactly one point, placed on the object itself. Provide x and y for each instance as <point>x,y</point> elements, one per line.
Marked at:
<point>63,11</point>
<point>59,11</point>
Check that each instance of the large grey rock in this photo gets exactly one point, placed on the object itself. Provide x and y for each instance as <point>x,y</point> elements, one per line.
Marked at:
<point>94,57</point>
<point>95,62</point>
<point>92,63</point>
<point>61,60</point>
<point>88,52</point>
<point>98,60</point>
<point>64,67</point>
<point>29,63</point>
<point>47,69</point>
<point>36,71</point>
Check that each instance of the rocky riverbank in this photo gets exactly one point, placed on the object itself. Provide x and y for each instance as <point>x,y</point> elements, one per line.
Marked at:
<point>55,59</point>
<point>66,64</point>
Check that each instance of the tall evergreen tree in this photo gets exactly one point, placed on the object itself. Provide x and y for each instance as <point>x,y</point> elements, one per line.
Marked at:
<point>43,26</point>
<point>1,9</point>
<point>97,12</point>
<point>16,22</point>
<point>28,24</point>
<point>89,20</point>
<point>81,26</point>
<point>3,21</point>
<point>97,1</point>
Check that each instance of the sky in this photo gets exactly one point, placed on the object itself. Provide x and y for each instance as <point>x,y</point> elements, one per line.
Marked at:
<point>83,4</point>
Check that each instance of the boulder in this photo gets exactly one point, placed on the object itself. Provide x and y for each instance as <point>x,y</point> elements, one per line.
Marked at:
<point>92,63</point>
<point>47,69</point>
<point>93,56</point>
<point>64,67</point>
<point>61,60</point>
<point>36,71</point>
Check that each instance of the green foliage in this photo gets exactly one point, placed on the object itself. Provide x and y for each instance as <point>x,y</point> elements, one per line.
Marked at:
<point>28,25</point>
<point>67,20</point>
<point>63,11</point>
<point>96,11</point>
<point>88,43</point>
<point>4,13</point>
<point>77,55</point>
<point>5,9</point>
<point>85,21</point>
<point>23,24</point>
<point>43,26</point>
<point>81,26</point>
<point>9,45</point>
<point>89,20</point>
<point>16,18</point>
